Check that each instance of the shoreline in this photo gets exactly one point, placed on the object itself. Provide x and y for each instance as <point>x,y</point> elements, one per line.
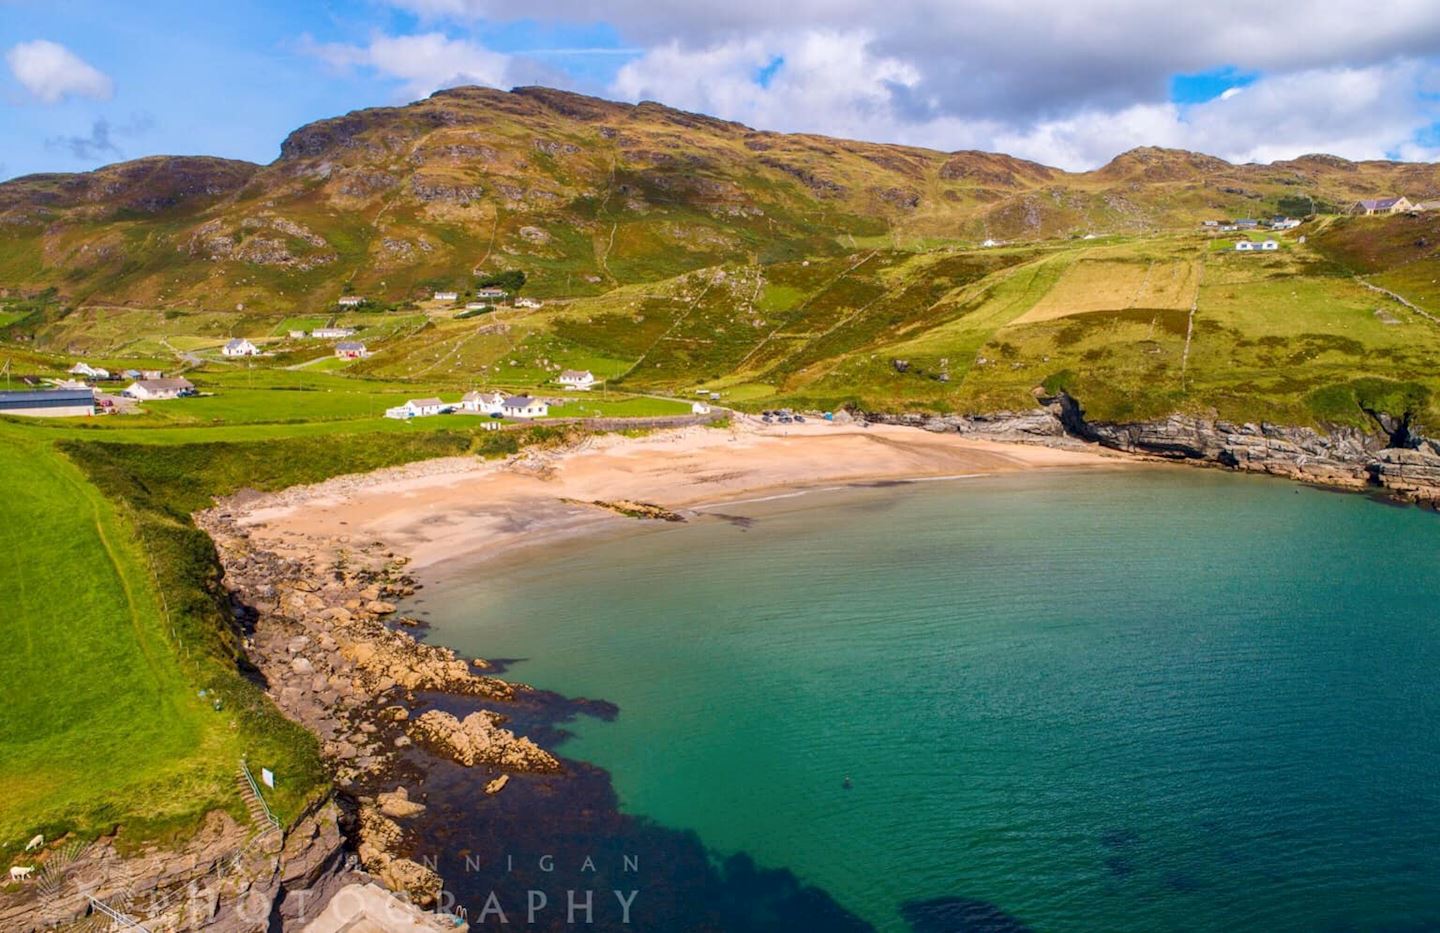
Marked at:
<point>441,509</point>
<point>315,572</point>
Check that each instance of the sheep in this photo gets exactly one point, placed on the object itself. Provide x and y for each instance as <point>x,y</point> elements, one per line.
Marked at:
<point>35,843</point>
<point>19,873</point>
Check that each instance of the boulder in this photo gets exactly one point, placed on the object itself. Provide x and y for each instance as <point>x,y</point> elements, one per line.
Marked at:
<point>398,805</point>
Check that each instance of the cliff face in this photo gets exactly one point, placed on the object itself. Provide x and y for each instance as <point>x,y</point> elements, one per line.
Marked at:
<point>1343,457</point>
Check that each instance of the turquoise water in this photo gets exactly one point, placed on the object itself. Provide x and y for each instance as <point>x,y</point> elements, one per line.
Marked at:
<point>1150,700</point>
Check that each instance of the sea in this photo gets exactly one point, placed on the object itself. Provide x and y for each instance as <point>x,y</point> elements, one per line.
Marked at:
<point>1129,700</point>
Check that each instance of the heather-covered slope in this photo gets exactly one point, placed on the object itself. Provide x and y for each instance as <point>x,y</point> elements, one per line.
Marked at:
<point>584,195</point>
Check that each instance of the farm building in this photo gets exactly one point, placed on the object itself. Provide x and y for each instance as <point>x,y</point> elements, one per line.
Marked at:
<point>149,390</point>
<point>581,379</point>
<point>446,296</point>
<point>486,403</point>
<point>48,403</point>
<point>240,347</point>
<point>528,303</point>
<point>331,333</point>
<point>476,305</point>
<point>523,406</point>
<point>350,301</point>
<point>700,408</point>
<point>493,294</point>
<point>351,350</point>
<point>1250,246</point>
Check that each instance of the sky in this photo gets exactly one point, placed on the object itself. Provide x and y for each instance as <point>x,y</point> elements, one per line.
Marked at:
<point>1070,83</point>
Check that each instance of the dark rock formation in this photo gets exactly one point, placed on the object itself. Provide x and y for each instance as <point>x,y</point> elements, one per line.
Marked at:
<point>1393,459</point>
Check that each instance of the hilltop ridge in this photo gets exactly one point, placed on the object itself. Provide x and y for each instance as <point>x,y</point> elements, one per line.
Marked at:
<point>584,194</point>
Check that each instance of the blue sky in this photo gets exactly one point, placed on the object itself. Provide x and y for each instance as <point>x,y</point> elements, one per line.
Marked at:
<point>120,81</point>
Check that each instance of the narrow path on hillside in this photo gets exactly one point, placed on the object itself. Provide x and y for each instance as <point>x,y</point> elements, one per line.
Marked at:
<point>489,247</point>
<point>1190,325</point>
<point>690,309</point>
<point>604,256</point>
<point>802,306</point>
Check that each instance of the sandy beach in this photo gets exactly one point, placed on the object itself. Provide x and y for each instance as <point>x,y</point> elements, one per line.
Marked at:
<point>440,509</point>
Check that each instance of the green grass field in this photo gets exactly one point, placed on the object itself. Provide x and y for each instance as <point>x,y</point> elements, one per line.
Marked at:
<point>99,720</point>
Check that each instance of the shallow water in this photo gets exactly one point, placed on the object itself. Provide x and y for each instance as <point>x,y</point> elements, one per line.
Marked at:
<point>1148,700</point>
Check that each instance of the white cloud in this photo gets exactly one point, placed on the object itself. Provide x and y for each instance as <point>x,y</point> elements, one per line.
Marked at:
<point>825,82</point>
<point>51,72</point>
<point>997,57</point>
<point>1051,79</point>
<point>423,63</point>
<point>836,83</point>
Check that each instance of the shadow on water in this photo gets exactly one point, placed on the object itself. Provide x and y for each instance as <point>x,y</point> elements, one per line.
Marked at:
<point>960,915</point>
<point>558,834</point>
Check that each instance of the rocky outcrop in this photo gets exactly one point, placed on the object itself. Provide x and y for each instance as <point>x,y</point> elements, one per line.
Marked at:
<point>379,837</point>
<point>265,240</point>
<point>633,508</point>
<point>397,804</point>
<point>227,877</point>
<point>1392,459</point>
<point>479,739</point>
<point>316,632</point>
<point>428,189</point>
<point>315,626</point>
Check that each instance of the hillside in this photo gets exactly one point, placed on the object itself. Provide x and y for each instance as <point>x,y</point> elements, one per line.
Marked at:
<point>674,251</point>
<point>584,195</point>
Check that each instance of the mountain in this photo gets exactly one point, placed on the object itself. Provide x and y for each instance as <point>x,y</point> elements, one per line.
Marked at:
<point>584,195</point>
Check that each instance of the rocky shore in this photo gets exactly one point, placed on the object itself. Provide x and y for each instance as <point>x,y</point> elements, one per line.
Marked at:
<point>321,631</point>
<point>1392,459</point>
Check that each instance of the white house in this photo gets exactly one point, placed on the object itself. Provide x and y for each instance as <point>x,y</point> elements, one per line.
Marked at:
<point>523,406</point>
<point>486,403</point>
<point>416,408</point>
<point>297,335</point>
<point>528,303</point>
<point>332,333</point>
<point>989,243</point>
<point>1250,246</point>
<point>446,296</point>
<point>149,390</point>
<point>491,293</point>
<point>1284,223</point>
<point>699,408</point>
<point>351,301</point>
<point>240,347</point>
<point>581,379</point>
<point>351,350</point>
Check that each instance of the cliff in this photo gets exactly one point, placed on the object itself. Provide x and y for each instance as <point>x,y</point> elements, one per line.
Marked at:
<point>1343,457</point>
